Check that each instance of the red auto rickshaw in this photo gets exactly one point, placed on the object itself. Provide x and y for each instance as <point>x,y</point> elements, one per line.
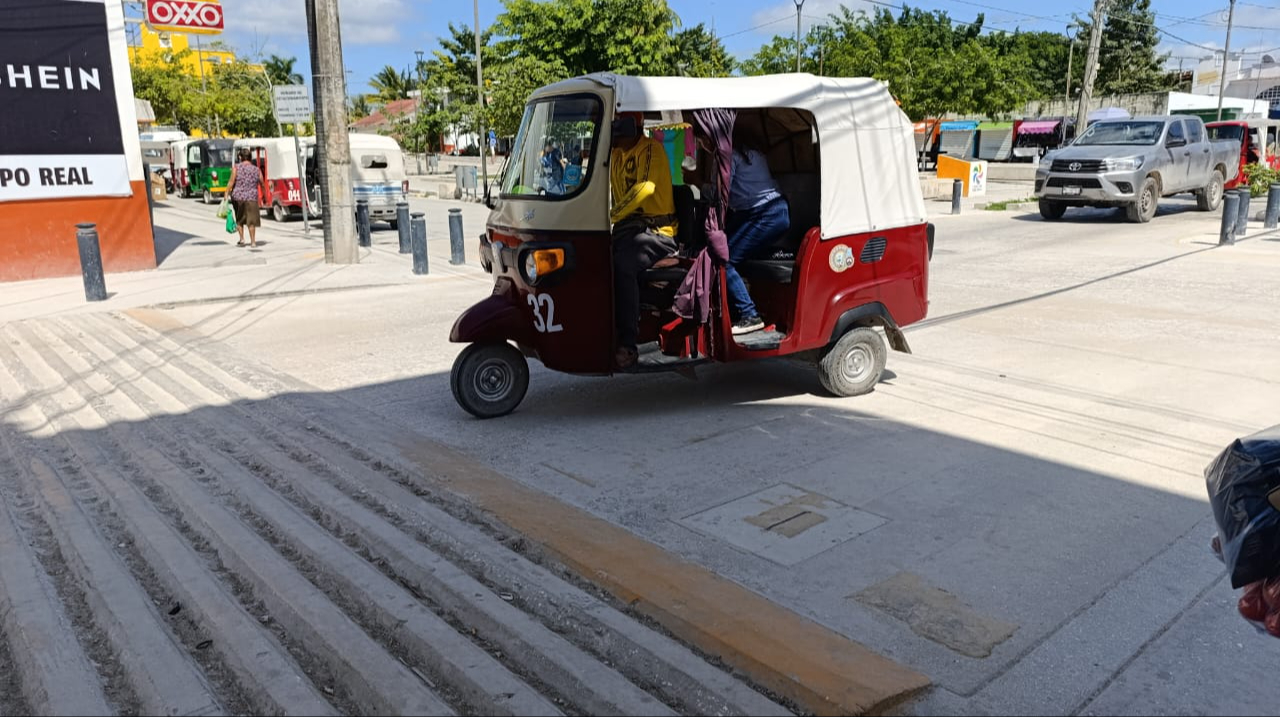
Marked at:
<point>855,263</point>
<point>1257,139</point>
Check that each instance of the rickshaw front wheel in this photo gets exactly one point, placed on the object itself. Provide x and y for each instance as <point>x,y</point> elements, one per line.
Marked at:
<point>852,366</point>
<point>489,379</point>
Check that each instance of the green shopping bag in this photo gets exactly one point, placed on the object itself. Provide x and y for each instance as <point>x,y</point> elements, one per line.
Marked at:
<point>231,222</point>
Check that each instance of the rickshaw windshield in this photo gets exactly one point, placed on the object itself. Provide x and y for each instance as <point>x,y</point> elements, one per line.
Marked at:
<point>220,157</point>
<point>555,147</point>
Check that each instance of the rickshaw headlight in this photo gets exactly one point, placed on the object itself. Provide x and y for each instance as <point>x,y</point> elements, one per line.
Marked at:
<point>540,262</point>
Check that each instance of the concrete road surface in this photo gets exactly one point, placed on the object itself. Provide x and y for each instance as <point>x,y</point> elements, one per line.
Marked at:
<point>1017,512</point>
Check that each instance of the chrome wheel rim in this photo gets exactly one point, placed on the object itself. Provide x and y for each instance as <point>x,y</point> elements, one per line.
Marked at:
<point>493,380</point>
<point>857,364</point>
<point>1148,199</point>
<point>1215,193</point>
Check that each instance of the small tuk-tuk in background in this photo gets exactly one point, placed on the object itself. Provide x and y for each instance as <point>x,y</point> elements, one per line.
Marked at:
<point>855,262</point>
<point>1258,140</point>
<point>178,167</point>
<point>1033,138</point>
<point>209,167</point>
<point>283,173</point>
<point>378,175</point>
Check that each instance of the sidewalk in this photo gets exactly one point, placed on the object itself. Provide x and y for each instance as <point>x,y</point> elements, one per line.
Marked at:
<point>199,262</point>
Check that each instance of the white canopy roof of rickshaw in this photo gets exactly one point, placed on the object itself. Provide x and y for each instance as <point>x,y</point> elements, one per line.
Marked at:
<point>869,177</point>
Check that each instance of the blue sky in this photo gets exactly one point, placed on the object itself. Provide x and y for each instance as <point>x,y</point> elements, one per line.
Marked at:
<point>381,32</point>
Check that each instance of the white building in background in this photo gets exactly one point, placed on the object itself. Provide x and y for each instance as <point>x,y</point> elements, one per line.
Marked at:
<point>1262,81</point>
<point>1207,76</point>
<point>1258,81</point>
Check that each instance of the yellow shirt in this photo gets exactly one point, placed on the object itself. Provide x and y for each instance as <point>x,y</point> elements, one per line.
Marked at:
<point>645,162</point>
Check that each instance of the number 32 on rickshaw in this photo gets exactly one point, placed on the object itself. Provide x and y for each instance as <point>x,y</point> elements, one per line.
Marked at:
<point>541,303</point>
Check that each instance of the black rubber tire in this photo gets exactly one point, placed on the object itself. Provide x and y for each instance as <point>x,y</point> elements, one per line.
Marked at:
<point>1144,209</point>
<point>207,198</point>
<point>1052,211</point>
<point>394,224</point>
<point>489,380</point>
<point>1210,198</point>
<point>852,366</point>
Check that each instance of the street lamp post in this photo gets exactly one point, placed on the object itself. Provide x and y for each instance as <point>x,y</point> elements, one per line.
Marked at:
<point>484,163</point>
<point>421,102</point>
<point>799,5</point>
<point>1071,56</point>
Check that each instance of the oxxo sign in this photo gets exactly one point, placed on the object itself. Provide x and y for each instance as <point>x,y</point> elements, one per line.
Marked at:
<point>199,17</point>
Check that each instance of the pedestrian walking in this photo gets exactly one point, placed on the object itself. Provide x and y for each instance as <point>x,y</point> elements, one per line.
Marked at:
<point>246,180</point>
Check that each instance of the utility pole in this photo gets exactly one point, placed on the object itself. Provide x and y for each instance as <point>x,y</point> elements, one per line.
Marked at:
<point>1091,63</point>
<point>484,137</point>
<point>333,147</point>
<point>1226,58</point>
<point>799,4</point>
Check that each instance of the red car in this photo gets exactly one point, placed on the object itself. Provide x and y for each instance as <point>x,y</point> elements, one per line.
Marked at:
<point>855,263</point>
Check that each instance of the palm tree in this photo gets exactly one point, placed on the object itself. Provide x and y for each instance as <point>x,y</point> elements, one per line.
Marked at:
<point>280,70</point>
<point>359,107</point>
<point>391,84</point>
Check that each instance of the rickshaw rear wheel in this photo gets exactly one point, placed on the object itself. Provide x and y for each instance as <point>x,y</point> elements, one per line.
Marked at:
<point>489,379</point>
<point>852,366</point>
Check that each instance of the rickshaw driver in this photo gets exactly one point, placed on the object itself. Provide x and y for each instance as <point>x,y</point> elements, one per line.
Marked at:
<point>644,223</point>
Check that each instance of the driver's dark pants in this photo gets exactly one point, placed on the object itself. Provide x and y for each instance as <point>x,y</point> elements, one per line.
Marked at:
<point>636,247</point>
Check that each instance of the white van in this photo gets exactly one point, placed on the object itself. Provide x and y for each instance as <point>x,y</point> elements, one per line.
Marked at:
<point>278,160</point>
<point>378,175</point>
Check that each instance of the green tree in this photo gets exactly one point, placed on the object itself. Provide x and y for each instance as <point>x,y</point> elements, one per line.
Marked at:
<point>631,37</point>
<point>359,108</point>
<point>1128,62</point>
<point>698,53</point>
<point>166,84</point>
<point>390,84</point>
<point>510,85</point>
<point>280,70</point>
<point>933,66</point>
<point>238,101</point>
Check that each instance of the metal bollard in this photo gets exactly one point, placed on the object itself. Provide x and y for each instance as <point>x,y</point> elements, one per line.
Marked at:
<point>362,223</point>
<point>1273,207</point>
<point>419,242</point>
<point>1230,212</point>
<point>957,188</point>
<point>458,252</point>
<point>95,286</point>
<point>402,225</point>
<point>1242,219</point>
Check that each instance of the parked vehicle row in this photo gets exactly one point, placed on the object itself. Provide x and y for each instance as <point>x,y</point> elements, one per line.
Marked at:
<point>1133,163</point>
<point>202,168</point>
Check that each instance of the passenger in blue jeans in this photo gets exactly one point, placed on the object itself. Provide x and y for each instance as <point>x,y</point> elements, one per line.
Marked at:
<point>758,217</point>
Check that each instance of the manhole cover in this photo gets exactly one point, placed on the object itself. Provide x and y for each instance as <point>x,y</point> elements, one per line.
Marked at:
<point>785,523</point>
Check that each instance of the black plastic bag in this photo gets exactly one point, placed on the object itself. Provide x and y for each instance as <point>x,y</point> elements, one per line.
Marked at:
<point>1244,490</point>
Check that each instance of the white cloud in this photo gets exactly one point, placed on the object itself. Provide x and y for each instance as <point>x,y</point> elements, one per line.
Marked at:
<point>364,22</point>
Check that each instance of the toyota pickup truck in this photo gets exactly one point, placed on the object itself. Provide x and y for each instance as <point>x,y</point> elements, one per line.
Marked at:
<point>1132,163</point>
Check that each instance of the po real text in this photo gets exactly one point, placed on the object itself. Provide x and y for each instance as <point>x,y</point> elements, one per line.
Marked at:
<point>45,177</point>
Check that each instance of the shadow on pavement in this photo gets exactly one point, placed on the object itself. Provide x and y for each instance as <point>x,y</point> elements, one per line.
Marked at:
<point>168,241</point>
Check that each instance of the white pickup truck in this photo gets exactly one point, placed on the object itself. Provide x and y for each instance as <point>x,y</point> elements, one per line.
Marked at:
<point>1132,163</point>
